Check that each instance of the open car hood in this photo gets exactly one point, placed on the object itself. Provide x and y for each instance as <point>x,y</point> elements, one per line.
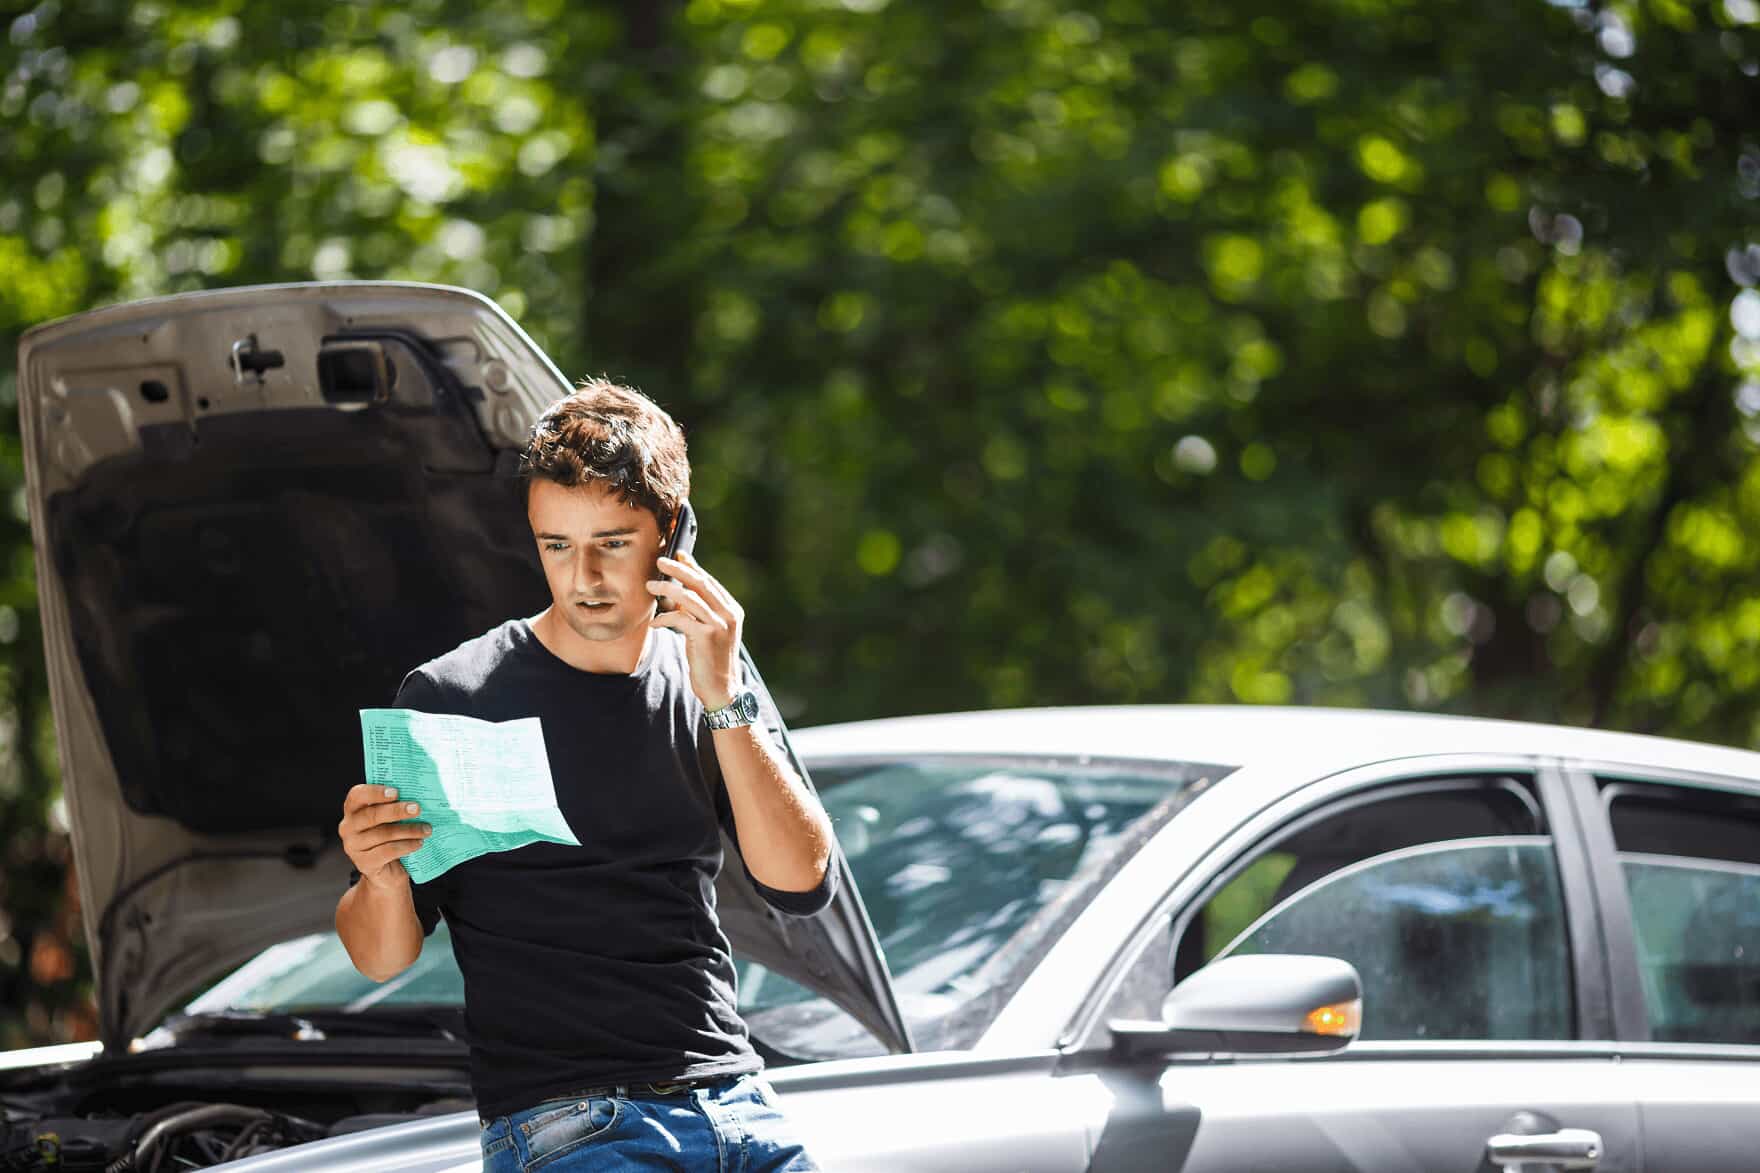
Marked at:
<point>235,553</point>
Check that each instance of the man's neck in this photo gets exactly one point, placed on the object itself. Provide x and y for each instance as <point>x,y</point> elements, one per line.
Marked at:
<point>620,656</point>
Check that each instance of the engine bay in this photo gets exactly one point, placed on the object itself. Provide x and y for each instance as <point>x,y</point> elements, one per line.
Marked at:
<point>201,1107</point>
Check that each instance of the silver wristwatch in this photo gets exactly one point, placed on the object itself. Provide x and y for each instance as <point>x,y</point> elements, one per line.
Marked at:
<point>741,710</point>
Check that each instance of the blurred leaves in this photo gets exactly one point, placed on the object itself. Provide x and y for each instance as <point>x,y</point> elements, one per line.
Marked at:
<point>1031,351</point>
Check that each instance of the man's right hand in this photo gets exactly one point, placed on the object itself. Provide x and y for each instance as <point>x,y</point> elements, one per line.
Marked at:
<point>373,838</point>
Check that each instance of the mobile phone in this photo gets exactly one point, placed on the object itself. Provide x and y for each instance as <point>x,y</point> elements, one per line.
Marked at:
<point>682,541</point>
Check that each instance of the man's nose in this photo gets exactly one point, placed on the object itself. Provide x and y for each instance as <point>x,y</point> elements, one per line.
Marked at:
<point>587,572</point>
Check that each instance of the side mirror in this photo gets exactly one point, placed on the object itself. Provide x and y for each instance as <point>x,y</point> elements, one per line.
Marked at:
<point>1271,1003</point>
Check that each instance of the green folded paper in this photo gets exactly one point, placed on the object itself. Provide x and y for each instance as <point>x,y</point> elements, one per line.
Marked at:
<point>483,785</point>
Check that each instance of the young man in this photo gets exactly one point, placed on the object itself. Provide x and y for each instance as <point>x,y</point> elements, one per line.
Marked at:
<point>599,988</point>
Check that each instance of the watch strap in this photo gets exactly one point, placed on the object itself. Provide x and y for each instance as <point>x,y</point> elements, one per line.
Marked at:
<point>741,710</point>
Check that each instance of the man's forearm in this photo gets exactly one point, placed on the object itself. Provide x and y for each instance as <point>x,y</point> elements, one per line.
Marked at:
<point>784,834</point>
<point>379,929</point>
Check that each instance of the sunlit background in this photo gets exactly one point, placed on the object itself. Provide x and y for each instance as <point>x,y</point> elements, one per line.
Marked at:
<point>1347,352</point>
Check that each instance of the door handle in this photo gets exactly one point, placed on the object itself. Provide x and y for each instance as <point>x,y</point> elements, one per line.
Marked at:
<point>1568,1148</point>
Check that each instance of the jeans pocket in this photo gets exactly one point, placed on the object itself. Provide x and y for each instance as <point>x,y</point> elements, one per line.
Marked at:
<point>553,1133</point>
<point>498,1153</point>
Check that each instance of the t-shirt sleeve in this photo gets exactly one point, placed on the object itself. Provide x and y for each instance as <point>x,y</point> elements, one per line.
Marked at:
<point>794,903</point>
<point>419,693</point>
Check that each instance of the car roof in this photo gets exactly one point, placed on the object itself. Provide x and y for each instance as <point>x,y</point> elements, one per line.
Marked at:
<point>1254,735</point>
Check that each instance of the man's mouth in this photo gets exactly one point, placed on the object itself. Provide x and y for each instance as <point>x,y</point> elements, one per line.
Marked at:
<point>594,604</point>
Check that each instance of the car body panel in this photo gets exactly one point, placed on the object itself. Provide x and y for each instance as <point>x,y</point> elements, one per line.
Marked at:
<point>1314,741</point>
<point>950,1113</point>
<point>1699,1107</point>
<point>1373,1114</point>
<point>55,1054</point>
<point>927,1113</point>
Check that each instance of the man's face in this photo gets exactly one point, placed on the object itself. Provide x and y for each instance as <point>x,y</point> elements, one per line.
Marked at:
<point>597,553</point>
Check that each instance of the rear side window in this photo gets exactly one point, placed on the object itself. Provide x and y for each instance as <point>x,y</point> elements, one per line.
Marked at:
<point>1691,859</point>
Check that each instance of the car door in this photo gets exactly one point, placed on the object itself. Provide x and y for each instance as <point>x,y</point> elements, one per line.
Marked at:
<point>1461,895</point>
<point>1676,860</point>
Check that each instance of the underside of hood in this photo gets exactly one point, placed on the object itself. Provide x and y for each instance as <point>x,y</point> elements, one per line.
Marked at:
<point>254,510</point>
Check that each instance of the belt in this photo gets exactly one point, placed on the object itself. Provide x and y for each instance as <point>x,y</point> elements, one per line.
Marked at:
<point>624,1091</point>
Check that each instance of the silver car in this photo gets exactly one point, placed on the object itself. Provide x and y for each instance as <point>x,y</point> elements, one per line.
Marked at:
<point>1150,938</point>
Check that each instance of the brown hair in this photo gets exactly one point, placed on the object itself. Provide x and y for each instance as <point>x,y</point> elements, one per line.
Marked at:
<point>607,432</point>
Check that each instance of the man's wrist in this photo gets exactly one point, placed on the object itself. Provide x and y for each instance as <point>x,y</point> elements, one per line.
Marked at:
<point>394,879</point>
<point>741,709</point>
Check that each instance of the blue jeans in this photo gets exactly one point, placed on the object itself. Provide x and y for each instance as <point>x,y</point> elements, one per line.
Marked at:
<point>728,1126</point>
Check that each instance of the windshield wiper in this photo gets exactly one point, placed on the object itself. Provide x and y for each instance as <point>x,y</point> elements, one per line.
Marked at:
<point>316,1025</point>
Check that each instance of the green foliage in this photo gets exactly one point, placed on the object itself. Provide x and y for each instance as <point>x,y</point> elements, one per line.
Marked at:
<point>1331,352</point>
<point>1243,900</point>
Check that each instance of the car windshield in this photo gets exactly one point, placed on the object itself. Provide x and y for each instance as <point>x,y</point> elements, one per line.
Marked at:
<point>970,868</point>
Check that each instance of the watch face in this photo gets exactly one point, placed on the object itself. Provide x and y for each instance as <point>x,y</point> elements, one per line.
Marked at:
<point>748,706</point>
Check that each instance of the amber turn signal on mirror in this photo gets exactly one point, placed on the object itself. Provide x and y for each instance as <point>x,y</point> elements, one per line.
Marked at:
<point>1343,1019</point>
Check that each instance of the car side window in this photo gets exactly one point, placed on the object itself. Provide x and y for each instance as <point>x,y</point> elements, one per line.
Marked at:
<point>1691,859</point>
<point>1443,893</point>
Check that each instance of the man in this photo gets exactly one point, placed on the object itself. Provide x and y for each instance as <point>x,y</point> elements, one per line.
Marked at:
<point>599,988</point>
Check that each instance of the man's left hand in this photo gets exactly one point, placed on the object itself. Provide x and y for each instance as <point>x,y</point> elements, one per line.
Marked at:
<point>710,620</point>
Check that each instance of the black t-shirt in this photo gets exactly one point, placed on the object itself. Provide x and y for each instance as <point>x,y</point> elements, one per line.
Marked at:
<point>602,963</point>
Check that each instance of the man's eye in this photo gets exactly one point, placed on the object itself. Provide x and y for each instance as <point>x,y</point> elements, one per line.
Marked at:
<point>616,544</point>
<point>556,545</point>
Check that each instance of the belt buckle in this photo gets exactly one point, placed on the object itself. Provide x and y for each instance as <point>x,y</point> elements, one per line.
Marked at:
<point>670,1087</point>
